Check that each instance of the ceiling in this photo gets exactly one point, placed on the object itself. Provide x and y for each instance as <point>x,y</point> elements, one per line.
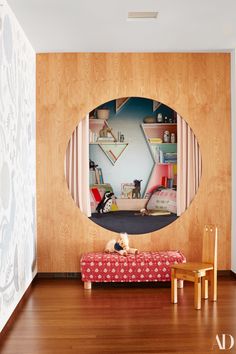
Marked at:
<point>102,26</point>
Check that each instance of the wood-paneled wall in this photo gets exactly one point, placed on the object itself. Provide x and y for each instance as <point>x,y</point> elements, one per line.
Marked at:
<point>196,85</point>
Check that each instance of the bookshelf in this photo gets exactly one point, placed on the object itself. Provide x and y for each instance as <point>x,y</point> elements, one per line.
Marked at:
<point>112,148</point>
<point>164,154</point>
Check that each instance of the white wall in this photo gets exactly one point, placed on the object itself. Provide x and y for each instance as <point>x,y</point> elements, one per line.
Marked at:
<point>233,129</point>
<point>17,163</point>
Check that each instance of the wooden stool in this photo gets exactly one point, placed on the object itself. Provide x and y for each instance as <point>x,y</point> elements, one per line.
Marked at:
<point>199,273</point>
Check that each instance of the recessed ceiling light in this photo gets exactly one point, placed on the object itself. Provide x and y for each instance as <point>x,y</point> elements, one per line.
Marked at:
<point>142,15</point>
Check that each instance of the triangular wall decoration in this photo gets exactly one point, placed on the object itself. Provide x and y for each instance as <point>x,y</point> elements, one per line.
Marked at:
<point>156,105</point>
<point>120,102</point>
<point>113,151</point>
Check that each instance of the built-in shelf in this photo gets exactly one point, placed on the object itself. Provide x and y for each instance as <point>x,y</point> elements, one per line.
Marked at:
<point>109,143</point>
<point>161,143</point>
<point>165,163</point>
<point>163,170</point>
<point>157,124</point>
<point>112,149</point>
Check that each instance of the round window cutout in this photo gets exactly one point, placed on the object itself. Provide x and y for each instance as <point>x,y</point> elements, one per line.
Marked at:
<point>133,165</point>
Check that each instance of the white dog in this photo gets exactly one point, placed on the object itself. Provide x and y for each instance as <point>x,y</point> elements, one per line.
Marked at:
<point>120,246</point>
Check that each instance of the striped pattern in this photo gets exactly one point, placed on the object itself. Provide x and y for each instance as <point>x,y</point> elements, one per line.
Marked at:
<point>189,165</point>
<point>77,166</point>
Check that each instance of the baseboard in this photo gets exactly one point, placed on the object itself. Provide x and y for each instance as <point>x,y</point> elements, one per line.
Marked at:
<point>224,273</point>
<point>233,274</point>
<point>77,275</point>
<point>16,311</point>
<point>72,275</point>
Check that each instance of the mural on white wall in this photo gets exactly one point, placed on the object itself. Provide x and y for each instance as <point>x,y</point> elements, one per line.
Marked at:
<point>17,163</point>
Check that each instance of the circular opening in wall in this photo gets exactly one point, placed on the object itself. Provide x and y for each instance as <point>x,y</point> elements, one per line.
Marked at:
<point>133,165</point>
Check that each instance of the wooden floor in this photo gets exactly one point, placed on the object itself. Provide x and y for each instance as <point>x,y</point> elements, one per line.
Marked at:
<point>60,317</point>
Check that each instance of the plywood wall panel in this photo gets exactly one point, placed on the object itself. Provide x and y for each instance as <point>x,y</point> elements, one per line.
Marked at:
<point>197,86</point>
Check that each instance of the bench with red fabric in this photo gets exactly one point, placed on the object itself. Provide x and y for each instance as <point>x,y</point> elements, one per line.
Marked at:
<point>143,267</point>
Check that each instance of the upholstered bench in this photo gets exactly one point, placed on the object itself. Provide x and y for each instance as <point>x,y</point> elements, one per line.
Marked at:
<point>143,267</point>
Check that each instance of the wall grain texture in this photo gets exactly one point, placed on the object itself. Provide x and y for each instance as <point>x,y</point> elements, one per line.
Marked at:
<point>69,85</point>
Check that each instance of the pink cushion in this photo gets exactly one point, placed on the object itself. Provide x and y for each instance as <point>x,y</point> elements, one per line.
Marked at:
<point>146,266</point>
<point>163,200</point>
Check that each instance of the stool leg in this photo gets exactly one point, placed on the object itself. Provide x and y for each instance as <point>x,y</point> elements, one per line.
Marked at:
<point>197,292</point>
<point>180,283</point>
<point>174,298</point>
<point>204,288</point>
<point>87,285</point>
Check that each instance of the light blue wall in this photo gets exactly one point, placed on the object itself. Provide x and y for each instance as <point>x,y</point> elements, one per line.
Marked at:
<point>136,161</point>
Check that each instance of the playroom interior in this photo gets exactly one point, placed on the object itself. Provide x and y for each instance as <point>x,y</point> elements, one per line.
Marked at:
<point>135,146</point>
<point>117,162</point>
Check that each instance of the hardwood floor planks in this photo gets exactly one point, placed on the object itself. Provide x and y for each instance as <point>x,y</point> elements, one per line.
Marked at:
<point>59,316</point>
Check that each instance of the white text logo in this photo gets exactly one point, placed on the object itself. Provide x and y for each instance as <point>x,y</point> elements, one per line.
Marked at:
<point>224,341</point>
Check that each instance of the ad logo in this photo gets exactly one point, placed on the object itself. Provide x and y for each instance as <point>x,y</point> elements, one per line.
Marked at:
<point>224,341</point>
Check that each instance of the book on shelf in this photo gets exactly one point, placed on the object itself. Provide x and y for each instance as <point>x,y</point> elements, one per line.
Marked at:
<point>170,182</point>
<point>155,140</point>
<point>97,176</point>
<point>164,181</point>
<point>161,156</point>
<point>167,182</point>
<point>105,139</point>
<point>101,181</point>
<point>170,157</point>
<point>93,136</point>
<point>92,177</point>
<point>171,154</point>
<point>96,194</point>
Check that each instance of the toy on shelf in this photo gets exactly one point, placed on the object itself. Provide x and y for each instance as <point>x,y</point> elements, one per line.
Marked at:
<point>136,192</point>
<point>105,204</point>
<point>101,134</point>
<point>120,246</point>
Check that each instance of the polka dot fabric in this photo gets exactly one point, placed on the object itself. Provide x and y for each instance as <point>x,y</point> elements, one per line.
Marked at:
<point>146,266</point>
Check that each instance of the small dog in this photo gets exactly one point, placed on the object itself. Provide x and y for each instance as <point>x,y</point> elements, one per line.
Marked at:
<point>121,246</point>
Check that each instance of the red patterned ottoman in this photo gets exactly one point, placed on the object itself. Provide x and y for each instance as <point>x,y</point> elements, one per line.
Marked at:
<point>143,267</point>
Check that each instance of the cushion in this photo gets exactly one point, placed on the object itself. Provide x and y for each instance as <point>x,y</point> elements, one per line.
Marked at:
<point>164,200</point>
<point>145,266</point>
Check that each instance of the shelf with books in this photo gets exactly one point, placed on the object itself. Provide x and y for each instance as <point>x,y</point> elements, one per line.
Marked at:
<point>164,154</point>
<point>108,143</point>
<point>162,175</point>
<point>163,144</point>
<point>96,126</point>
<point>112,148</point>
<point>147,125</point>
<point>154,132</point>
<point>95,176</point>
<point>166,163</point>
